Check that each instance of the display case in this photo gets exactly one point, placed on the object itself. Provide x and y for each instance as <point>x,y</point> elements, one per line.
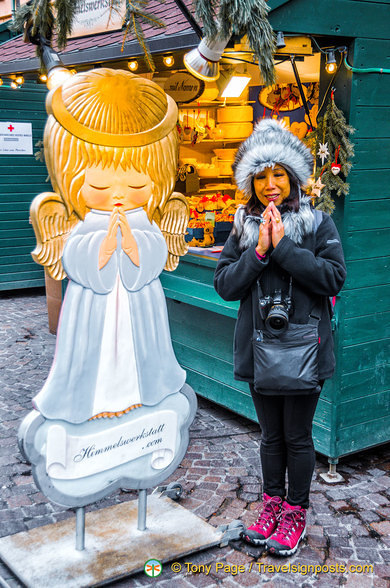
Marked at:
<point>210,136</point>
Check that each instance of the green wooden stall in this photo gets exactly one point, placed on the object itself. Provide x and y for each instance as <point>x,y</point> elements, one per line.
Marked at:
<point>354,409</point>
<point>21,178</point>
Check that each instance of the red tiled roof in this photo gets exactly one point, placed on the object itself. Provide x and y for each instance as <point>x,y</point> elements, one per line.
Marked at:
<point>15,50</point>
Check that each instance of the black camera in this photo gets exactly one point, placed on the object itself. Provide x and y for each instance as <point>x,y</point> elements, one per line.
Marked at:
<point>275,310</point>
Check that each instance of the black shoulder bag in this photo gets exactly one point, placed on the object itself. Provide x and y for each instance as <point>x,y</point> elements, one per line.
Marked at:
<point>287,361</point>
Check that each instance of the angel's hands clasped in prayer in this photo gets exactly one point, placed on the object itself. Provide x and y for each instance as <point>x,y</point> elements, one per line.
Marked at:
<point>109,243</point>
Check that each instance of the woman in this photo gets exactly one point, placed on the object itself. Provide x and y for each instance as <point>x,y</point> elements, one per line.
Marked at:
<point>275,241</point>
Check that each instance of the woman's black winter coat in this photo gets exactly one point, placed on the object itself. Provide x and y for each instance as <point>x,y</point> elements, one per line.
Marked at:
<point>318,271</point>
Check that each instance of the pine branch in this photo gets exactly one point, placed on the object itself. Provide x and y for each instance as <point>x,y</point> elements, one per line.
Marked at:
<point>249,18</point>
<point>65,10</point>
<point>22,14</point>
<point>241,17</point>
<point>134,15</point>
<point>206,12</point>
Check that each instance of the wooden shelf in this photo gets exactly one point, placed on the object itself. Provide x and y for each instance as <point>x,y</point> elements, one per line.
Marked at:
<point>200,105</point>
<point>230,187</point>
<point>214,141</point>
<point>215,177</point>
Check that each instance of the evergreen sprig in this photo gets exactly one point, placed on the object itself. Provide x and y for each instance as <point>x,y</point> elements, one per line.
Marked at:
<point>135,15</point>
<point>333,129</point>
<point>242,17</point>
<point>206,13</point>
<point>22,14</point>
<point>65,13</point>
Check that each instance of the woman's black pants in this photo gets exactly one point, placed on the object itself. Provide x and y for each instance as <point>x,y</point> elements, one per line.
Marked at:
<point>287,444</point>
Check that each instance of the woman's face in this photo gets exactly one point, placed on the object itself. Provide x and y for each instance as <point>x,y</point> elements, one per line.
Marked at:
<point>272,185</point>
<point>109,187</point>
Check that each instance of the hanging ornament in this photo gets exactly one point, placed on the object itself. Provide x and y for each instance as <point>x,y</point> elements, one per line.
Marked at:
<point>336,167</point>
<point>316,189</point>
<point>194,136</point>
<point>323,152</point>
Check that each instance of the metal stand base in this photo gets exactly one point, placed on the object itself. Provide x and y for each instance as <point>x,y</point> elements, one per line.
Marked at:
<point>114,546</point>
<point>331,476</point>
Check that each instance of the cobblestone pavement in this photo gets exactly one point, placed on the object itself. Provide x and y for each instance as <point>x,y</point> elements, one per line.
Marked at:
<point>348,523</point>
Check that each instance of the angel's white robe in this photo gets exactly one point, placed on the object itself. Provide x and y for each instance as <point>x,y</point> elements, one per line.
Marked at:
<point>113,346</point>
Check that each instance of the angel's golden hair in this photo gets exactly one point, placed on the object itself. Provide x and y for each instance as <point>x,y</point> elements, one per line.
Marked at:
<point>110,101</point>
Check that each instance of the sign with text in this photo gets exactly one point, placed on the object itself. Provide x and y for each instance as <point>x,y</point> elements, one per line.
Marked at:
<point>70,457</point>
<point>96,16</point>
<point>16,138</point>
<point>183,87</point>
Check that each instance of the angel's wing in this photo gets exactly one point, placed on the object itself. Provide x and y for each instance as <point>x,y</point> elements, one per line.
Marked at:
<point>173,225</point>
<point>51,227</point>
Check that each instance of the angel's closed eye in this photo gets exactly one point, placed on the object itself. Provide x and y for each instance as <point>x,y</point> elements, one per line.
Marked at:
<point>99,187</point>
<point>137,187</point>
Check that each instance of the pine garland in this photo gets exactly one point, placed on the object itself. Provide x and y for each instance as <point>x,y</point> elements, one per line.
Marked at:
<point>219,17</point>
<point>242,17</point>
<point>333,129</point>
<point>45,16</point>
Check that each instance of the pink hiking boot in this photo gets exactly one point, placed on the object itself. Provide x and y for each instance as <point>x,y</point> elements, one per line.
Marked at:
<point>290,530</point>
<point>265,525</point>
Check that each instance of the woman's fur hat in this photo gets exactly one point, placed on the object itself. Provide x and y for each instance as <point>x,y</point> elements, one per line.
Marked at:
<point>271,143</point>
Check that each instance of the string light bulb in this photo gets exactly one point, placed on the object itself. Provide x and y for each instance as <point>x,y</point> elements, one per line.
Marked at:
<point>1,82</point>
<point>132,65</point>
<point>330,65</point>
<point>14,85</point>
<point>168,60</point>
<point>43,78</point>
<point>19,80</point>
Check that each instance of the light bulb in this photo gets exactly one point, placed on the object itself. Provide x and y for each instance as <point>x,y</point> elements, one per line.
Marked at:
<point>168,60</point>
<point>331,65</point>
<point>43,78</point>
<point>1,82</point>
<point>57,76</point>
<point>132,65</point>
<point>19,80</point>
<point>13,85</point>
<point>330,68</point>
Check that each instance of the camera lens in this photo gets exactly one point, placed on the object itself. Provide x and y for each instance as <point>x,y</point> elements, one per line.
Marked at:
<point>277,319</point>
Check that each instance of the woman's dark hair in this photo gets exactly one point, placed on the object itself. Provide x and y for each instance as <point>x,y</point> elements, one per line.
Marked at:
<point>255,208</point>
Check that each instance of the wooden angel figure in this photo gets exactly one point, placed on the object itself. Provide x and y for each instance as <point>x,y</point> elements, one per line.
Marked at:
<point>111,226</point>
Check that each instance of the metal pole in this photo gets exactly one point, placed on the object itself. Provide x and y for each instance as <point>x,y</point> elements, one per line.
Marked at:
<point>142,496</point>
<point>80,528</point>
<point>303,97</point>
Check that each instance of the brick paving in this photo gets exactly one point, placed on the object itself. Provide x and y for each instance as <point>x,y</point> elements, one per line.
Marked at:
<point>348,523</point>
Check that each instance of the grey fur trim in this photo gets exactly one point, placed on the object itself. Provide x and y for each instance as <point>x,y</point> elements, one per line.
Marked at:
<point>296,224</point>
<point>271,143</point>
